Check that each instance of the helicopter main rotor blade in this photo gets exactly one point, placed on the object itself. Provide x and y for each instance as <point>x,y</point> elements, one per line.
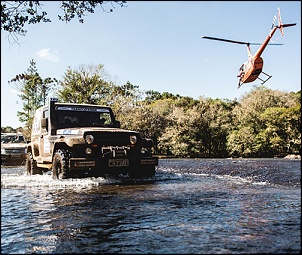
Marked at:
<point>239,42</point>
<point>224,40</point>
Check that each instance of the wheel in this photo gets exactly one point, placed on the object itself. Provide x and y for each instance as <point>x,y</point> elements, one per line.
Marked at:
<point>60,167</point>
<point>31,165</point>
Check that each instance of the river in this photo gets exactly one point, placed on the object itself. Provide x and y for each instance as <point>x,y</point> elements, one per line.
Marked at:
<point>191,206</point>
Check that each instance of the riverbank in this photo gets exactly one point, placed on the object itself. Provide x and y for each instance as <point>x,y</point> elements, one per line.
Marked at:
<point>288,156</point>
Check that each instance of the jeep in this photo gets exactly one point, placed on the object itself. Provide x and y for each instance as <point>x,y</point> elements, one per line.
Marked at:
<point>13,148</point>
<point>79,140</point>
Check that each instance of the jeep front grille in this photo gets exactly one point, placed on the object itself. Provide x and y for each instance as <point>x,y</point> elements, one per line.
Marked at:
<point>112,138</point>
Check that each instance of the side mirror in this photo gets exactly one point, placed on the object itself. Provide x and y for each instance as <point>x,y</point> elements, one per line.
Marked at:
<point>118,124</point>
<point>44,123</point>
<point>147,143</point>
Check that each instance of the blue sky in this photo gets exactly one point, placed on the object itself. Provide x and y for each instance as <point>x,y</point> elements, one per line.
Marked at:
<point>157,45</point>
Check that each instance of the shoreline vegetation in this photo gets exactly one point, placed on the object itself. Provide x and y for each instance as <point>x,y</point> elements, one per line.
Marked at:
<point>263,123</point>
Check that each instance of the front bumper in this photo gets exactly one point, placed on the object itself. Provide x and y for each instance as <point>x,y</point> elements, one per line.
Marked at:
<point>13,158</point>
<point>105,164</point>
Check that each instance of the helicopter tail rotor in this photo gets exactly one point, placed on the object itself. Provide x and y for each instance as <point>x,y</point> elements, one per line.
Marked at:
<point>280,25</point>
<point>280,22</point>
<point>273,23</point>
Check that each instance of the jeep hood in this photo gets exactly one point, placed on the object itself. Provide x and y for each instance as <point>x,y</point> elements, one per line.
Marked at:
<point>103,135</point>
<point>82,130</point>
<point>13,145</point>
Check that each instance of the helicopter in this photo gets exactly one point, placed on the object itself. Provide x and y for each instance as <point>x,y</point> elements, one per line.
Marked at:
<point>251,69</point>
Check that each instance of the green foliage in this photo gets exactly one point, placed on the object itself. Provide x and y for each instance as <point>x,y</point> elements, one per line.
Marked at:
<point>33,91</point>
<point>179,137</point>
<point>241,142</point>
<point>263,123</point>
<point>196,130</point>
<point>152,96</point>
<point>16,14</point>
<point>267,123</point>
<point>85,85</point>
<point>8,129</point>
<point>125,100</point>
<point>78,8</point>
<point>282,129</point>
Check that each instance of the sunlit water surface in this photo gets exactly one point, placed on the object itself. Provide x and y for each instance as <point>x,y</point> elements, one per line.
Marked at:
<point>190,206</point>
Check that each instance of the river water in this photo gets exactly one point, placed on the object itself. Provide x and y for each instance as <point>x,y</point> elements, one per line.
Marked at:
<point>201,206</point>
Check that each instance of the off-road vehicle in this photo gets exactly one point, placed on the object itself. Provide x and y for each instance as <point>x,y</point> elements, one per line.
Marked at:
<point>13,148</point>
<point>78,140</point>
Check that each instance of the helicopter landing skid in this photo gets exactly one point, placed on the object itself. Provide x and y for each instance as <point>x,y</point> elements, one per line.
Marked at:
<point>239,84</point>
<point>264,80</point>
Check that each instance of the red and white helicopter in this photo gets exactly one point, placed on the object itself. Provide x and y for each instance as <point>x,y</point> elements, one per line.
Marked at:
<point>251,69</point>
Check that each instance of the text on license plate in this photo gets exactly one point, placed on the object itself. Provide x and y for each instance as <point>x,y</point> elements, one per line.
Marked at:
<point>118,162</point>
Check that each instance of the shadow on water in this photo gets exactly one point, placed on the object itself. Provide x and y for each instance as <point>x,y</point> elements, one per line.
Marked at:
<point>272,171</point>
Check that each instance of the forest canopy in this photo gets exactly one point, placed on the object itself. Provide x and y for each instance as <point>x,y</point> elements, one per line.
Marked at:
<point>262,123</point>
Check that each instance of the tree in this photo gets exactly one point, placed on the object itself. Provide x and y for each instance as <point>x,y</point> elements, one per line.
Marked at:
<point>266,123</point>
<point>8,129</point>
<point>125,100</point>
<point>241,142</point>
<point>282,130</point>
<point>217,118</point>
<point>152,95</point>
<point>90,84</point>
<point>85,85</point>
<point>33,91</point>
<point>16,14</point>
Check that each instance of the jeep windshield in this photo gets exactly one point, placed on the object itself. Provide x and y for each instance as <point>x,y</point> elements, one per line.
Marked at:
<point>75,116</point>
<point>12,138</point>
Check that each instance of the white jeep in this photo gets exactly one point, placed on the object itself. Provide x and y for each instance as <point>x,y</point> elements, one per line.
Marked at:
<point>13,148</point>
<point>78,140</point>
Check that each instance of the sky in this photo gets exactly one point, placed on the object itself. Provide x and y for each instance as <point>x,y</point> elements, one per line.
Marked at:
<point>158,45</point>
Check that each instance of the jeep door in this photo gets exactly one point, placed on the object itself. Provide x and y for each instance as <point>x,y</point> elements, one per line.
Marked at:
<point>44,139</point>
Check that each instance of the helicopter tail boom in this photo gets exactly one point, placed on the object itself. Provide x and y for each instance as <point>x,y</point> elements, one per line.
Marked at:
<point>288,25</point>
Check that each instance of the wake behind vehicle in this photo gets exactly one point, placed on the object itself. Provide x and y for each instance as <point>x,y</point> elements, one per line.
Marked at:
<point>78,140</point>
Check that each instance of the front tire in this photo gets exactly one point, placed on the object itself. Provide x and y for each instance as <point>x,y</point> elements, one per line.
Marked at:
<point>60,167</point>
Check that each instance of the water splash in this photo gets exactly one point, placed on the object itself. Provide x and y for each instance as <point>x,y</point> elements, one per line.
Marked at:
<point>46,180</point>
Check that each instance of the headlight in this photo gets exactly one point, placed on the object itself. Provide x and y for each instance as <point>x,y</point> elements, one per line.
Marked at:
<point>133,139</point>
<point>89,139</point>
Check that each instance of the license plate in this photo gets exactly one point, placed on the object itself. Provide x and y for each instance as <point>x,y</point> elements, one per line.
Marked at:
<point>149,162</point>
<point>118,162</point>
